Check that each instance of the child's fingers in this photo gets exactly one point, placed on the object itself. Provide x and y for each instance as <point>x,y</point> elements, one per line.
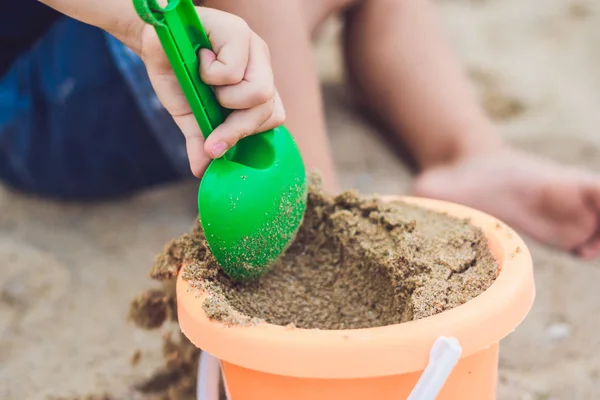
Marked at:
<point>238,125</point>
<point>171,96</point>
<point>194,143</point>
<point>257,87</point>
<point>277,117</point>
<point>167,88</point>
<point>241,65</point>
<point>230,37</point>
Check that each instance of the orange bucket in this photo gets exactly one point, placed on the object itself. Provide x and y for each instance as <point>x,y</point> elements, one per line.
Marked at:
<point>270,362</point>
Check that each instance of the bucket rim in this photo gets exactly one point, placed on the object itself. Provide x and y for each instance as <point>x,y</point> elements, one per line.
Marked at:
<point>387,350</point>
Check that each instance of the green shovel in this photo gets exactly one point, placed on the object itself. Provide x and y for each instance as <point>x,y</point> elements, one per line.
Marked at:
<point>252,200</point>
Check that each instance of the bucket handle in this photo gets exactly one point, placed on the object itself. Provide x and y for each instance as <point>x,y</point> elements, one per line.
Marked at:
<point>209,372</point>
<point>443,356</point>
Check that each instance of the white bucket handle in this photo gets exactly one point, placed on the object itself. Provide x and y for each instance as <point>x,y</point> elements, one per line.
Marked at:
<point>209,372</point>
<point>444,355</point>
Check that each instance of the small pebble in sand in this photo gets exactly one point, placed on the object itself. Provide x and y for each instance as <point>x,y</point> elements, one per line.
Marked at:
<point>135,358</point>
<point>558,331</point>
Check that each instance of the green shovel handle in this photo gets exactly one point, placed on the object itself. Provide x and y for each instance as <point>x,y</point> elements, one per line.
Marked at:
<point>182,36</point>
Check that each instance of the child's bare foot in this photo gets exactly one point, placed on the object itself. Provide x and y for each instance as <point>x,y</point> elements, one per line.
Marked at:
<point>554,204</point>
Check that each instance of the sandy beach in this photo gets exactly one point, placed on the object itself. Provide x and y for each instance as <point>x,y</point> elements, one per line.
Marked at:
<point>69,271</point>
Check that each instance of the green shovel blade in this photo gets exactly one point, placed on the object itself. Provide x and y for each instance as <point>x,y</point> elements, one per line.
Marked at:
<point>252,200</point>
<point>252,204</point>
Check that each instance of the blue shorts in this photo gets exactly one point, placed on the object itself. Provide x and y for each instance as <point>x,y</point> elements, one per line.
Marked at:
<point>79,119</point>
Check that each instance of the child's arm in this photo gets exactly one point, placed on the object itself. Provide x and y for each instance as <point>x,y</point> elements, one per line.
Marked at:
<point>115,16</point>
<point>239,69</point>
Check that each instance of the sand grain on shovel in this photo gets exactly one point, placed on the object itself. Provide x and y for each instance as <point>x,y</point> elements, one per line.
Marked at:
<point>278,229</point>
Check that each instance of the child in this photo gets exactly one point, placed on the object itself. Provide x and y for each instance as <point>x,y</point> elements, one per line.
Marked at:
<point>402,67</point>
<point>79,118</point>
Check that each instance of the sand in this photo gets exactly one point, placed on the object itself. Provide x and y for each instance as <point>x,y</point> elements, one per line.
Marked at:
<point>356,262</point>
<point>69,271</point>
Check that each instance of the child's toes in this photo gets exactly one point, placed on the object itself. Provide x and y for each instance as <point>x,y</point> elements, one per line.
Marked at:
<point>590,250</point>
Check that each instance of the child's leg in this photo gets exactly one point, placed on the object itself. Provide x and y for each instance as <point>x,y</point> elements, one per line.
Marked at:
<point>286,26</point>
<point>69,124</point>
<point>400,63</point>
<point>402,66</point>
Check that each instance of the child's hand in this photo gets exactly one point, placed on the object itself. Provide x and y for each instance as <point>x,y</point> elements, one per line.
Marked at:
<point>240,71</point>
